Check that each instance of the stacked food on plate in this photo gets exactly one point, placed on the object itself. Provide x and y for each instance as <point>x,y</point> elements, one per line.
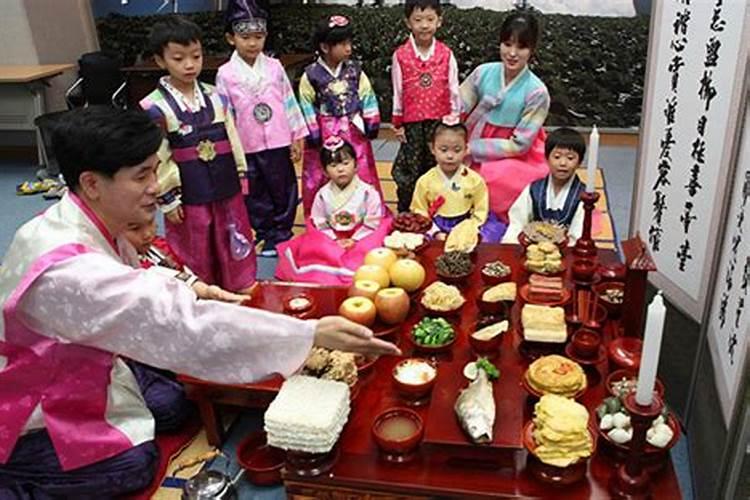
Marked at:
<point>555,374</point>
<point>543,323</point>
<point>545,288</point>
<point>307,414</point>
<point>561,431</point>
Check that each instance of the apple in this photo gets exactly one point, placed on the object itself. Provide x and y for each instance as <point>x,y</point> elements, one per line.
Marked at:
<point>358,309</point>
<point>407,274</point>
<point>392,305</point>
<point>374,273</point>
<point>364,288</point>
<point>383,257</point>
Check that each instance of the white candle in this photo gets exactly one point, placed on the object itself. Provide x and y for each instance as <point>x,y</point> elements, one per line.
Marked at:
<point>650,353</point>
<point>592,158</point>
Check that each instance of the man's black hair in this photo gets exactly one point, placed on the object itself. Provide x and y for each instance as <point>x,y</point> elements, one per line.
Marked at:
<point>175,29</point>
<point>565,138</point>
<point>103,139</point>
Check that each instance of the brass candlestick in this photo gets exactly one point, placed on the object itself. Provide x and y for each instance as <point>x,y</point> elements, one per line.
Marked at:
<point>585,246</point>
<point>632,480</point>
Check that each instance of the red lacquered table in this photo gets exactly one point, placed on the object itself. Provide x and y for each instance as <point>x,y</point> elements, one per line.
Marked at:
<point>446,464</point>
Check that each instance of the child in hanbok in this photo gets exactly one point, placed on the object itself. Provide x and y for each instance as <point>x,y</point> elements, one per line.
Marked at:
<point>451,192</point>
<point>506,105</point>
<point>337,100</point>
<point>424,74</point>
<point>556,197</point>
<point>347,220</point>
<point>269,123</point>
<point>200,163</point>
<point>155,253</point>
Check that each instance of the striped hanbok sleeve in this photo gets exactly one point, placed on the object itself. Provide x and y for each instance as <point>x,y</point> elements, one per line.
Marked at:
<point>370,112</point>
<point>293,113</point>
<point>532,119</point>
<point>307,106</point>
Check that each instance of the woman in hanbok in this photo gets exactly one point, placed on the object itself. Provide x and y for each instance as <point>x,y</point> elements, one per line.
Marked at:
<point>505,106</point>
<point>347,220</point>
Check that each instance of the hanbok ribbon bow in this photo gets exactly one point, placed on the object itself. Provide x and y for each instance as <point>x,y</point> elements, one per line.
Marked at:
<point>451,120</point>
<point>339,21</point>
<point>333,143</point>
<point>435,206</point>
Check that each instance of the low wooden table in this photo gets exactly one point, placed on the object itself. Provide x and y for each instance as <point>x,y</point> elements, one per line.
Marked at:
<point>446,465</point>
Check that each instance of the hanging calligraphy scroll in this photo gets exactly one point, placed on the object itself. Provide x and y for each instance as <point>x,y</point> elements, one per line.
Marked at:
<point>729,321</point>
<point>697,57</point>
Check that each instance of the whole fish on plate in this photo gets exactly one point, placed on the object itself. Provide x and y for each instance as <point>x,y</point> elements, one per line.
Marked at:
<point>475,408</point>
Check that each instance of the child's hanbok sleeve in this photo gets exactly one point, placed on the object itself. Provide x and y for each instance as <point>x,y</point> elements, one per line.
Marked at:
<point>576,225</point>
<point>481,203</point>
<point>319,216</point>
<point>419,202</point>
<point>370,112</point>
<point>397,84</point>
<point>293,112</point>
<point>524,133</point>
<point>373,215</point>
<point>168,176</point>
<point>520,214</point>
<point>307,105</point>
<point>453,86</point>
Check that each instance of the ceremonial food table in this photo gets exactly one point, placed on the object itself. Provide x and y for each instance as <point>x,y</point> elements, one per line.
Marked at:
<point>447,464</point>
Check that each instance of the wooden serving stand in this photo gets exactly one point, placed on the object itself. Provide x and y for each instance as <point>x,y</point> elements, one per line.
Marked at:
<point>447,463</point>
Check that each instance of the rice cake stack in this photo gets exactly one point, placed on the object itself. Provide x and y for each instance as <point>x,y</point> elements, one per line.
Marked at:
<point>544,324</point>
<point>561,431</point>
<point>307,415</point>
<point>556,374</point>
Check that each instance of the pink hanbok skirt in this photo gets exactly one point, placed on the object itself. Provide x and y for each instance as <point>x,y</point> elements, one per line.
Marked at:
<point>313,257</point>
<point>201,241</point>
<point>506,178</point>
<point>313,176</point>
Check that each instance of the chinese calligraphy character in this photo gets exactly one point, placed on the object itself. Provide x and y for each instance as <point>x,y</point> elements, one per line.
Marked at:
<point>662,180</point>
<point>717,24</point>
<point>712,52</point>
<point>674,68</point>
<point>693,186</point>
<point>702,125</point>
<point>684,255</point>
<point>670,110</point>
<point>723,309</point>
<point>666,144</point>
<point>687,216</point>
<point>678,44</point>
<point>707,91</point>
<point>699,150</point>
<point>732,345</point>
<point>660,205</point>
<point>654,237</point>
<point>680,24</point>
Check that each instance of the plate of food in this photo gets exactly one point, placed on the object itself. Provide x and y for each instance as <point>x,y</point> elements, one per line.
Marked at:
<point>544,258</point>
<point>433,335</point>
<point>543,324</point>
<point>439,299</point>
<point>454,268</point>
<point>464,237</point>
<point>545,290</point>
<point>410,222</point>
<point>555,374</point>
<point>544,231</point>
<point>404,243</point>
<point>496,272</point>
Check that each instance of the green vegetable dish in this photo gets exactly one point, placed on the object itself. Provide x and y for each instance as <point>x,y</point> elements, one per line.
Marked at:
<point>491,370</point>
<point>433,332</point>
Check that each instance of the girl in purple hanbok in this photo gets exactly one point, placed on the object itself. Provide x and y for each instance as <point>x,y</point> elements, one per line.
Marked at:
<point>347,220</point>
<point>337,100</point>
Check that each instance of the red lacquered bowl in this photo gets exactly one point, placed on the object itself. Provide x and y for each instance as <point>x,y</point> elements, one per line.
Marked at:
<point>492,280</point>
<point>397,447</point>
<point>614,309</point>
<point>437,312</point>
<point>583,270</point>
<point>625,373</point>
<point>625,352</point>
<point>486,347</point>
<point>417,390</point>
<point>551,474</point>
<point>434,349</point>
<point>262,462</point>
<point>654,458</point>
<point>488,307</point>
<point>586,342</point>
<point>299,304</point>
<point>458,280</point>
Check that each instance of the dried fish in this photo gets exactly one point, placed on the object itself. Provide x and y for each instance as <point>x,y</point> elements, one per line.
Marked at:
<point>475,409</point>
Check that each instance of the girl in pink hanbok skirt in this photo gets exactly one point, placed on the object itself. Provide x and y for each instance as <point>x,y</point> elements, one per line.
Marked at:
<point>347,220</point>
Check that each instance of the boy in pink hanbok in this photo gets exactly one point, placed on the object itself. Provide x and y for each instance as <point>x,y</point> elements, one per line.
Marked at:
<point>346,221</point>
<point>337,100</point>
<point>269,123</point>
<point>424,74</point>
<point>201,163</point>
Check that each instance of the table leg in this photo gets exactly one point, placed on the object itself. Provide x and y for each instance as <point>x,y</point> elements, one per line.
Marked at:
<point>37,91</point>
<point>211,419</point>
